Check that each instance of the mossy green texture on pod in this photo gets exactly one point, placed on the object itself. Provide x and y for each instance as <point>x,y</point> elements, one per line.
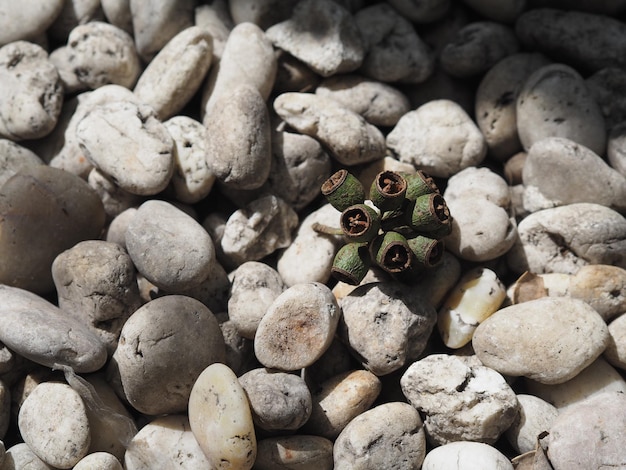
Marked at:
<point>399,228</point>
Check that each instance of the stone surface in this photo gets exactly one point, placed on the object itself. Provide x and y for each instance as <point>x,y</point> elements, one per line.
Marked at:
<point>466,456</point>
<point>389,434</point>
<point>297,328</point>
<point>27,20</point>
<point>422,12</point>
<point>73,14</point>
<point>615,151</point>
<point>554,339</point>
<point>535,416</point>
<point>297,452</point>
<point>13,158</point>
<point>478,183</point>
<point>461,399</point>
<point>216,19</point>
<point>221,420</point>
<point>143,368</point>
<point>98,461</point>
<point>615,351</point>
<point>605,85</point>
<point>114,199</point>
<point>21,456</point>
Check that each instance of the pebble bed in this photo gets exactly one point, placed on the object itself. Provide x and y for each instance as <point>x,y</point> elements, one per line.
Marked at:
<point>166,300</point>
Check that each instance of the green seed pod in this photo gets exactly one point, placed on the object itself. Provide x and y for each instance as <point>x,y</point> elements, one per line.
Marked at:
<point>427,251</point>
<point>359,223</point>
<point>419,184</point>
<point>343,190</point>
<point>388,190</point>
<point>391,252</point>
<point>428,213</point>
<point>351,263</point>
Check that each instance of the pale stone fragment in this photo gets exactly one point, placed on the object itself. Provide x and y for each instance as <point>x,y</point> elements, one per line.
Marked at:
<point>615,352</point>
<point>466,456</point>
<point>21,456</point>
<point>216,20</point>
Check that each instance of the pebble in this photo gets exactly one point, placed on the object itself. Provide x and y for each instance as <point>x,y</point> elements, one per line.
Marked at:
<point>14,158</point>
<point>416,139</point>
<point>615,151</point>
<point>478,183</point>
<point>323,35</point>
<point>615,351</point>
<point>159,228</point>
<point>96,285</point>
<point>391,433</point>
<point>466,456</point>
<point>554,166</point>
<point>476,47</point>
<point>127,142</point>
<point>297,452</point>
<point>590,434</point>
<point>503,11</point>
<point>461,399</point>
<point>346,135</point>
<point>549,242</point>
<point>555,102</point>
<point>175,74</point>
<point>599,41</point>
<point>21,456</point>
<point>606,86</point>
<point>386,326</point>
<point>535,416</point>
<point>116,231</point>
<point>221,420</point>
<point>299,167</point>
<point>117,12</point>
<point>297,328</point>
<point>555,339</point>
<point>143,369</point>
<point>239,143</point>
<point>98,461</point>
<point>393,50</point>
<point>238,348</point>
<point>27,20</point>
<point>165,442</point>
<point>379,104</point>
<point>279,401</point>
<point>258,229</point>
<point>73,14</point>
<point>53,422</point>
<point>422,12</point>
<point>114,199</point>
<point>193,178</point>
<point>43,211</point>
<point>32,92</point>
<point>262,13</point>
<point>340,399</point>
<point>154,24</point>
<point>254,287</point>
<point>496,97</point>
<point>215,18</point>
<point>477,295</point>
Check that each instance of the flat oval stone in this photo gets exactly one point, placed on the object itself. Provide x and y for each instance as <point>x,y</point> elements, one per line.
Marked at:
<point>158,227</point>
<point>41,332</point>
<point>549,340</point>
<point>53,422</point>
<point>144,368</point>
<point>27,20</point>
<point>43,211</point>
<point>221,420</point>
<point>298,327</point>
<point>297,452</point>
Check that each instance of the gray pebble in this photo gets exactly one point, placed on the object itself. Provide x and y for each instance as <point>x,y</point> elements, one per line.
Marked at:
<point>238,349</point>
<point>393,50</point>
<point>27,20</point>
<point>616,148</point>
<point>43,211</point>
<point>462,400</point>
<point>98,461</point>
<point>422,12</point>
<point>279,401</point>
<point>389,434</point>
<point>21,456</point>
<point>127,142</point>
<point>32,92</point>
<point>477,47</point>
<point>155,23</point>
<point>535,416</point>
<point>555,102</point>
<point>114,199</point>
<point>298,327</point>
<point>239,143</point>
<point>380,104</point>
<point>346,135</point>
<point>297,452</point>
<point>41,332</point>
<point>293,74</point>
<point>385,325</point>
<point>175,74</point>
<point>216,20</point>
<point>254,287</point>
<point>504,11</point>
<point>169,247</point>
<point>607,86</point>
<point>323,35</point>
<point>14,157</point>
<point>143,368</point>
<point>439,138</point>
<point>116,231</point>
<point>96,284</point>
<point>258,229</point>
<point>117,12</point>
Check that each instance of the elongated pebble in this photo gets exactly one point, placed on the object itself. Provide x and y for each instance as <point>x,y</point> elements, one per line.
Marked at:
<point>221,420</point>
<point>298,327</point>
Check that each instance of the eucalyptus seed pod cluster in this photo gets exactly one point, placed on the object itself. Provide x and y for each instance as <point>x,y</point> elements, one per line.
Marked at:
<point>399,225</point>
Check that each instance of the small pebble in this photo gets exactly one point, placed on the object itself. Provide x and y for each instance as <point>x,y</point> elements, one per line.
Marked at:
<point>279,401</point>
<point>221,420</point>
<point>391,433</point>
<point>98,461</point>
<point>297,327</point>
<point>616,149</point>
<point>466,456</point>
<point>216,20</point>
<point>14,157</point>
<point>53,422</point>
<point>480,401</point>
<point>615,351</point>
<point>535,416</point>
<point>297,452</point>
<point>478,183</point>
<point>554,339</point>
<point>340,399</point>
<point>114,199</point>
<point>21,456</point>
<point>27,20</point>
